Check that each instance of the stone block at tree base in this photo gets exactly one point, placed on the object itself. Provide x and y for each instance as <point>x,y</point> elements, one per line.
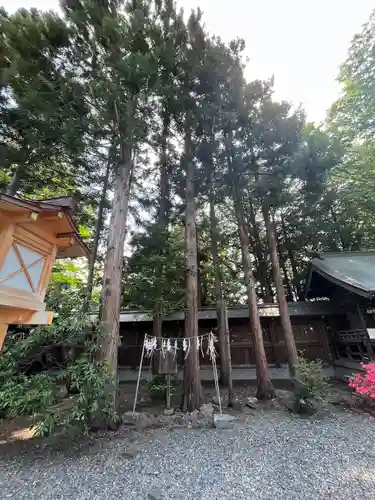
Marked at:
<point>168,411</point>
<point>223,421</point>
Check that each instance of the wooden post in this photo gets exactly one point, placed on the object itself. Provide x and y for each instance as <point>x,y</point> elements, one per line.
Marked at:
<point>6,242</point>
<point>3,332</point>
<point>168,391</point>
<point>324,337</point>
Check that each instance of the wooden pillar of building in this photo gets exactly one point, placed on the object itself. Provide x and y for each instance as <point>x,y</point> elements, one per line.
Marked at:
<point>325,342</point>
<point>3,332</point>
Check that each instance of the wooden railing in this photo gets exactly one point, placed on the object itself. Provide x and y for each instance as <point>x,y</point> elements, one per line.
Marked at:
<point>354,345</point>
<point>352,336</point>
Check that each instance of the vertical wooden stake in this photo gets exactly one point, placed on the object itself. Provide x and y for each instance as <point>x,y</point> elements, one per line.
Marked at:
<point>3,332</point>
<point>216,378</point>
<point>168,391</point>
<point>139,374</point>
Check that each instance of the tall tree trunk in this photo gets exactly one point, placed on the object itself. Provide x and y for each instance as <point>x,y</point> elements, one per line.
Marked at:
<point>280,251</point>
<point>338,231</point>
<point>292,260</point>
<point>111,291</point>
<point>225,358</point>
<point>200,291</point>
<point>264,386</point>
<point>227,348</point>
<point>163,209</point>
<point>192,387</point>
<point>203,298</point>
<point>261,257</point>
<point>15,183</point>
<point>97,232</point>
<point>283,305</point>
<point>265,389</point>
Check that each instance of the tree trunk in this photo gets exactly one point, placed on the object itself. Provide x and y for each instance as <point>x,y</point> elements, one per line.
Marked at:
<point>163,209</point>
<point>229,356</point>
<point>225,367</point>
<point>192,387</point>
<point>283,305</point>
<point>15,183</point>
<point>288,284</point>
<point>200,291</point>
<point>261,257</point>
<point>225,358</point>
<point>264,386</point>
<point>97,233</point>
<point>111,291</point>
<point>338,231</point>
<point>296,281</point>
<point>265,389</point>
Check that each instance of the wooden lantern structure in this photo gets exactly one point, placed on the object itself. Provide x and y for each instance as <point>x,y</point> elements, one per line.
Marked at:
<point>32,235</point>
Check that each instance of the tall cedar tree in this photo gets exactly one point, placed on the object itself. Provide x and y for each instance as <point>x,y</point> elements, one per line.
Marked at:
<point>115,39</point>
<point>215,73</point>
<point>171,39</point>
<point>195,52</point>
<point>42,110</point>
<point>239,113</point>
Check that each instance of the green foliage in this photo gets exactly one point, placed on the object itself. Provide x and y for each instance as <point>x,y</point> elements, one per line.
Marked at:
<point>158,386</point>
<point>351,123</point>
<point>89,406</point>
<point>155,271</point>
<point>39,395</point>
<point>42,110</point>
<point>21,395</point>
<point>66,351</point>
<point>310,386</point>
<point>352,114</point>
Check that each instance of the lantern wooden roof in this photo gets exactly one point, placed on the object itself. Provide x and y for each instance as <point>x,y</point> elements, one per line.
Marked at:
<point>49,217</point>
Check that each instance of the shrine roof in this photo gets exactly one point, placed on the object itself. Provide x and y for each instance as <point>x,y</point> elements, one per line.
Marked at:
<point>353,271</point>
<point>63,226</point>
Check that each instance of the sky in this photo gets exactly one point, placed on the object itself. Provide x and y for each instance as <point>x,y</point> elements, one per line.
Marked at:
<point>299,42</point>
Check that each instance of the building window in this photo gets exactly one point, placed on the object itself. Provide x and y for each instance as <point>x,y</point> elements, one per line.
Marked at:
<point>22,268</point>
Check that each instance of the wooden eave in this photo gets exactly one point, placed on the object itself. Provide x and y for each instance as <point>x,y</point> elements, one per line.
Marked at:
<point>54,218</point>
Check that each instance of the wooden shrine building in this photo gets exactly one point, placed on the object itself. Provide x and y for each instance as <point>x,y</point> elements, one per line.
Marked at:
<point>32,235</point>
<point>336,323</point>
<point>347,279</point>
<point>311,323</point>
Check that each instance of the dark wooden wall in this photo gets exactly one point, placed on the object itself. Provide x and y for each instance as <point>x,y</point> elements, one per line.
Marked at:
<point>311,334</point>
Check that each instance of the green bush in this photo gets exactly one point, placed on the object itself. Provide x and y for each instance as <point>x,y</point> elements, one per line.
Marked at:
<point>157,387</point>
<point>21,395</point>
<point>310,386</point>
<point>25,390</point>
<point>39,395</point>
<point>88,408</point>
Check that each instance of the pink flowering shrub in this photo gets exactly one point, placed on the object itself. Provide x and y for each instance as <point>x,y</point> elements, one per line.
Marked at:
<point>364,383</point>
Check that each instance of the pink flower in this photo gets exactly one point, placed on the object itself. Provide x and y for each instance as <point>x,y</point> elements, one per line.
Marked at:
<point>364,384</point>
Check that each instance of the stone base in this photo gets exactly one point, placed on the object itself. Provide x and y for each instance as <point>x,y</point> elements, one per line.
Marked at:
<point>223,421</point>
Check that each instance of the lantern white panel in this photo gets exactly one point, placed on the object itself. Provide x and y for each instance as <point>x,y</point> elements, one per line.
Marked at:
<point>18,281</point>
<point>11,264</point>
<point>35,272</point>
<point>28,256</point>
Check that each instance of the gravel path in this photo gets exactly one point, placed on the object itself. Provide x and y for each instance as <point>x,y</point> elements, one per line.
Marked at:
<point>270,456</point>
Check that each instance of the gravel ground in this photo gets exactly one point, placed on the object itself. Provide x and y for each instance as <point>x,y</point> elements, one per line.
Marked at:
<point>270,455</point>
